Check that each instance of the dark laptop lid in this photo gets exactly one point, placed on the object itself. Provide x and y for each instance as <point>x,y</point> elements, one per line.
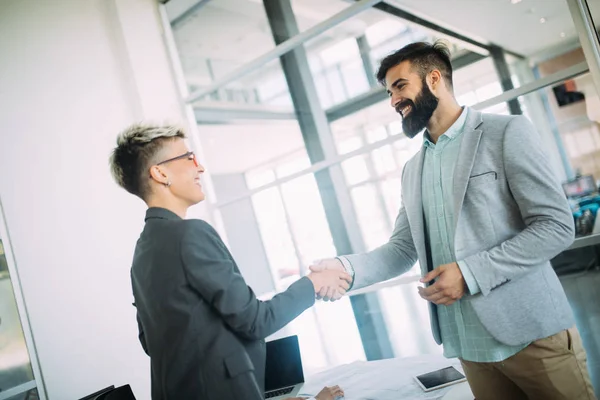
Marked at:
<point>284,364</point>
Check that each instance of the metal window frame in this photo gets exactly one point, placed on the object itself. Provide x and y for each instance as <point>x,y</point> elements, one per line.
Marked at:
<point>17,390</point>
<point>549,80</point>
<point>23,313</point>
<point>284,47</point>
<point>588,36</point>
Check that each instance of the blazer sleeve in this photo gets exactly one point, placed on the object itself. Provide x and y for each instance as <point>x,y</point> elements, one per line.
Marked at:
<point>549,227</point>
<point>141,334</point>
<point>388,261</point>
<point>209,269</point>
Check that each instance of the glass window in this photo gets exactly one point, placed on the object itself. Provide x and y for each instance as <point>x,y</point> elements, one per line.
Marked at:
<point>256,178</point>
<point>574,119</point>
<point>354,77</point>
<point>307,219</point>
<point>15,365</point>
<point>337,88</point>
<point>594,7</point>
<point>298,162</point>
<point>342,63</point>
<point>340,51</point>
<point>376,134</point>
<point>395,127</point>
<point>355,169</point>
<point>569,111</point>
<point>383,160</point>
<point>349,144</point>
<point>372,218</point>
<point>276,236</point>
<point>476,82</point>
<point>391,188</point>
<point>382,30</point>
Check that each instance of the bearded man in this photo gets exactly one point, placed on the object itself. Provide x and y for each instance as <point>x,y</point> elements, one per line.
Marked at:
<point>483,213</point>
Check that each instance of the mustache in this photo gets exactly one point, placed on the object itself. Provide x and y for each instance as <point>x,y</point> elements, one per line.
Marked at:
<point>403,104</point>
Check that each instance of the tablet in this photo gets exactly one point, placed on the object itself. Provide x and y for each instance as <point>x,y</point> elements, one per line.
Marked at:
<point>439,379</point>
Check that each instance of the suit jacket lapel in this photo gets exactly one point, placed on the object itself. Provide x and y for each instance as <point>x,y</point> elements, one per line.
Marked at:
<point>414,206</point>
<point>466,158</point>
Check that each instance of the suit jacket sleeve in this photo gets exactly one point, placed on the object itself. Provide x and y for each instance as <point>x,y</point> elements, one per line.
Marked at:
<point>209,269</point>
<point>142,336</point>
<point>394,258</point>
<point>549,227</point>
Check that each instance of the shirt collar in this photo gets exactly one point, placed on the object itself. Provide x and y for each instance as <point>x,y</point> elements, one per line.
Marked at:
<point>455,129</point>
<point>161,213</point>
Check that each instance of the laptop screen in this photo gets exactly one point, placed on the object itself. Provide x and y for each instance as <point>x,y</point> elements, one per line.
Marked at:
<point>284,365</point>
<point>582,186</point>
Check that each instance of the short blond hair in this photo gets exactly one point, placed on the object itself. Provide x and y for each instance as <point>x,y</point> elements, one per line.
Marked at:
<point>136,151</point>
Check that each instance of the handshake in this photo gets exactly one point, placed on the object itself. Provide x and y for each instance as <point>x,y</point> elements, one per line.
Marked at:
<point>330,279</point>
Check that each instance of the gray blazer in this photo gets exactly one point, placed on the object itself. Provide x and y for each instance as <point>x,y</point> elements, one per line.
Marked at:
<point>199,322</point>
<point>512,218</point>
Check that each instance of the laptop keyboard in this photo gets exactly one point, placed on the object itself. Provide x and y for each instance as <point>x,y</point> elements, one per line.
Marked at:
<point>280,392</point>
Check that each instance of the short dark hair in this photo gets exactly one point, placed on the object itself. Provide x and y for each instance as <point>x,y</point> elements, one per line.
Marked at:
<point>423,56</point>
<point>137,149</point>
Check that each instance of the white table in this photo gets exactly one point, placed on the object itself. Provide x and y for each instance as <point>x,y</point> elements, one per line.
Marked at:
<point>390,379</point>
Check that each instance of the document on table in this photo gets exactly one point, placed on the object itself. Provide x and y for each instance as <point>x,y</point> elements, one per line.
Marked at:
<point>391,379</point>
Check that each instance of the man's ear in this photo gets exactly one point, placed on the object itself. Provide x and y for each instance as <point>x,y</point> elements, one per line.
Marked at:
<point>157,173</point>
<point>434,79</point>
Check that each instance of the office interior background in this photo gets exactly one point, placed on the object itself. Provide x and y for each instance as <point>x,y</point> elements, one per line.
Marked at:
<point>303,152</point>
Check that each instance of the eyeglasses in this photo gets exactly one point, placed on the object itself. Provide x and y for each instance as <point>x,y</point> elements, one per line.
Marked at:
<point>189,155</point>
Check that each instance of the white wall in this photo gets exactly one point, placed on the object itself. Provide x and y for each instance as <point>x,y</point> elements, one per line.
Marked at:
<point>73,73</point>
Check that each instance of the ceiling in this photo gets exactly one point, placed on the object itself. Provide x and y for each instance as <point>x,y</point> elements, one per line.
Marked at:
<point>517,27</point>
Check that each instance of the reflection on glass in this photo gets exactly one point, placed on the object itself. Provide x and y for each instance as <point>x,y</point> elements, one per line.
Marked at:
<point>28,395</point>
<point>276,236</point>
<point>307,219</point>
<point>15,367</point>
<point>476,82</point>
<point>570,125</point>
<point>372,219</point>
<point>572,113</point>
<point>355,169</point>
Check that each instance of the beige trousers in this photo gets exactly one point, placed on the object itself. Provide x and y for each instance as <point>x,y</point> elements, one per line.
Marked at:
<point>553,368</point>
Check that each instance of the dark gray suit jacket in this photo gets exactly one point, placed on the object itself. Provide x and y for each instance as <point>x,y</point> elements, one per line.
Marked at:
<point>199,322</point>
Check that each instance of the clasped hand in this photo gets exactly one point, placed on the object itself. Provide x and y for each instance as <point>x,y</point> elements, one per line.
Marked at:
<point>448,288</point>
<point>331,280</point>
<point>331,292</point>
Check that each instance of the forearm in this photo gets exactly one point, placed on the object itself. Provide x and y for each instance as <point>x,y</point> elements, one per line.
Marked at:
<point>536,244</point>
<point>270,316</point>
<point>383,263</point>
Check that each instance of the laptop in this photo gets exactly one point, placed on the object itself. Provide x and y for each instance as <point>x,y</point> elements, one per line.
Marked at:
<point>283,373</point>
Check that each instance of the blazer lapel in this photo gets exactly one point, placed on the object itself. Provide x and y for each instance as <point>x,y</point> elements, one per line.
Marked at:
<point>466,158</point>
<point>413,201</point>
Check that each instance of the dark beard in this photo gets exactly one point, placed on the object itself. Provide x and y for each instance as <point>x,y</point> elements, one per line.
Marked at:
<point>421,112</point>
